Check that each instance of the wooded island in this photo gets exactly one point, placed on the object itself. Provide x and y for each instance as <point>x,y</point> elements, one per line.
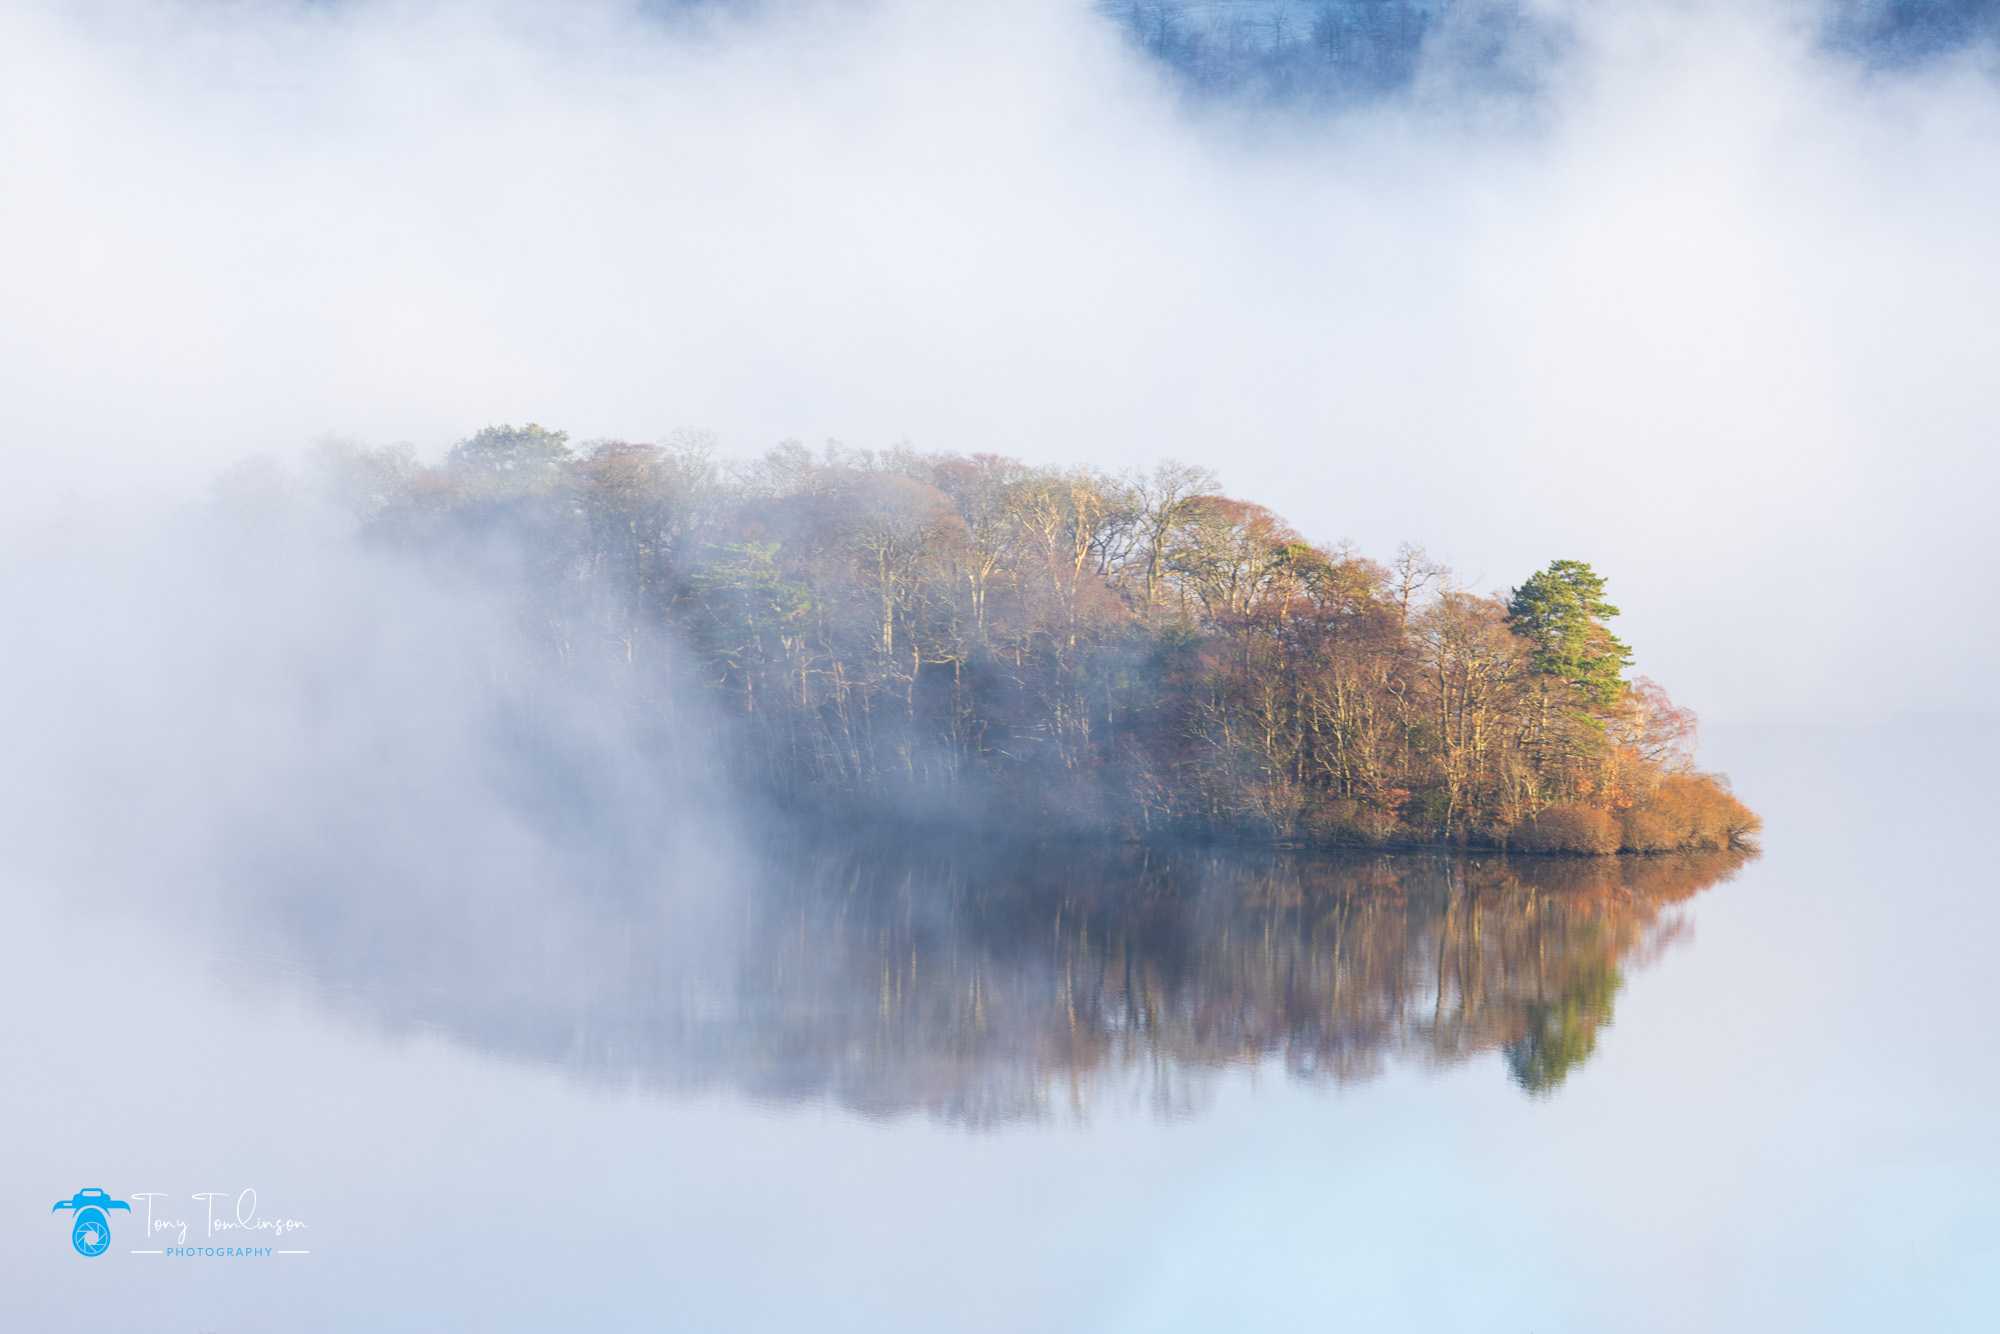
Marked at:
<point>924,636</point>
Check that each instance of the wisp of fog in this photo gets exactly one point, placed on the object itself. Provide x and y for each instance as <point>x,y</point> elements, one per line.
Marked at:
<point>1695,292</point>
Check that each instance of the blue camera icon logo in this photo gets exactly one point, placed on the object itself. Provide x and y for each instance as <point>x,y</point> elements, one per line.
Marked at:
<point>91,1232</point>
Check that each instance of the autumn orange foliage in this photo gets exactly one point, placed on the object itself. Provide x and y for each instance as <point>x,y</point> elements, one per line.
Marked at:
<point>892,633</point>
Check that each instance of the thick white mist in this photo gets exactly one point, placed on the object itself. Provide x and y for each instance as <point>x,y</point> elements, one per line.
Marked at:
<point>1714,312</point>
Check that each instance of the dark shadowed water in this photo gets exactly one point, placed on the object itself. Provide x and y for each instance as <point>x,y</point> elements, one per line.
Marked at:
<point>841,1086</point>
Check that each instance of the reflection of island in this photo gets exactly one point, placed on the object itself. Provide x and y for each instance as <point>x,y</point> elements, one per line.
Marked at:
<point>988,985</point>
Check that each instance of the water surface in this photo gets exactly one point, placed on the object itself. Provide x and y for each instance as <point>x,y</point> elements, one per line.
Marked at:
<point>967,1087</point>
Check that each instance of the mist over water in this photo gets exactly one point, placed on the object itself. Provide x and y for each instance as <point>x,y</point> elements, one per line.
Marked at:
<point>292,822</point>
<point>1781,1111</point>
<point>1703,301</point>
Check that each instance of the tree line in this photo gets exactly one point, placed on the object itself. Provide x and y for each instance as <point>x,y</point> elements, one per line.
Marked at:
<point>916,634</point>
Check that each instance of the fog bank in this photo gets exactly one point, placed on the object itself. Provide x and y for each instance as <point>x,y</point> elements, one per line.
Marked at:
<point>1706,303</point>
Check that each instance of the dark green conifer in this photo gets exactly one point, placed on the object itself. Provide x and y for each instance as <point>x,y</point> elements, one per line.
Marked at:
<point>1561,611</point>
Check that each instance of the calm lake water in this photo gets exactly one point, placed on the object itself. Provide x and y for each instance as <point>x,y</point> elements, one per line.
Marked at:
<point>960,1088</point>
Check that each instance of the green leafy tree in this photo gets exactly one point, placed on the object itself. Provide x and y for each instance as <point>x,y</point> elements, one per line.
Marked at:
<point>1561,611</point>
<point>511,459</point>
<point>750,613</point>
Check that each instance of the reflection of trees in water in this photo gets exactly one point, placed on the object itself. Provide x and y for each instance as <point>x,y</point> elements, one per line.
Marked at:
<point>985,987</point>
<point>989,984</point>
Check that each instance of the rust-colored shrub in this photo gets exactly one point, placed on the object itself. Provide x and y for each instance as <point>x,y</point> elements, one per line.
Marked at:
<point>1688,811</point>
<point>1351,823</point>
<point>1569,828</point>
<point>1648,830</point>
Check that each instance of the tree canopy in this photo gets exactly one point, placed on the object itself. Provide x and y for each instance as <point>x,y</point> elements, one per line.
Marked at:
<point>897,631</point>
<point>526,456</point>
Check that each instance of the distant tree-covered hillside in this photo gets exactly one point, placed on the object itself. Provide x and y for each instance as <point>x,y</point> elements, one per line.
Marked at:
<point>917,635</point>
<point>1335,51</point>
